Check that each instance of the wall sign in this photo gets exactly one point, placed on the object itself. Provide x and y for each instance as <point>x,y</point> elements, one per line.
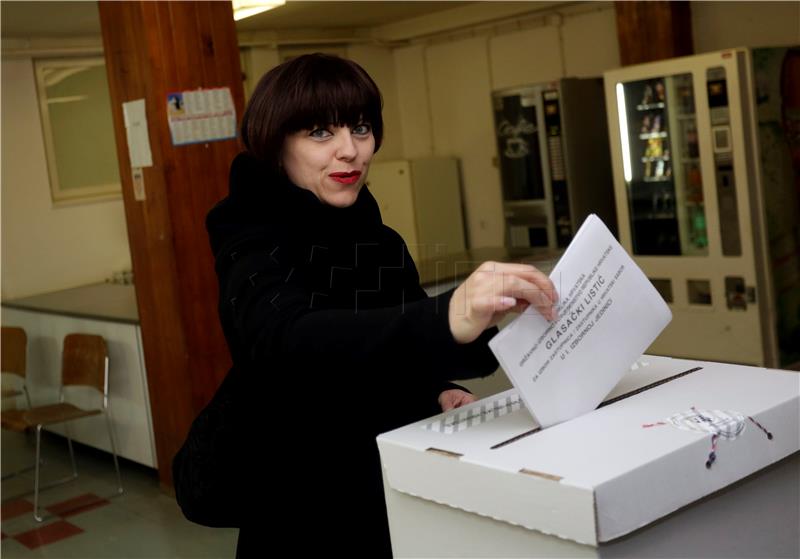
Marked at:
<point>201,115</point>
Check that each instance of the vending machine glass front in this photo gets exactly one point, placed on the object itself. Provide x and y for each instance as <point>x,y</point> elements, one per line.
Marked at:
<point>517,130</point>
<point>661,166</point>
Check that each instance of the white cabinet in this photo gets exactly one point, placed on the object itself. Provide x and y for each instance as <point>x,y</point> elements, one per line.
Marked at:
<point>421,200</point>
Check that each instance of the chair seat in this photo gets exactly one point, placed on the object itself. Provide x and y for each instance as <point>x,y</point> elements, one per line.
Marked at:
<point>19,420</point>
<point>9,392</point>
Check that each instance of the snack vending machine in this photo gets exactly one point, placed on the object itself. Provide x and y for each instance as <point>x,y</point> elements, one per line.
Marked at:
<point>553,155</point>
<point>706,159</point>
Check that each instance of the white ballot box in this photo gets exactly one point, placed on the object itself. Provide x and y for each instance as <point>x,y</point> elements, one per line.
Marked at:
<point>486,481</point>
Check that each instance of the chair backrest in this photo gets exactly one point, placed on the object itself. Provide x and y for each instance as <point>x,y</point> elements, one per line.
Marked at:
<point>13,350</point>
<point>83,361</point>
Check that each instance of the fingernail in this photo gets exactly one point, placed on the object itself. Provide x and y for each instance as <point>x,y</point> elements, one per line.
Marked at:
<point>508,301</point>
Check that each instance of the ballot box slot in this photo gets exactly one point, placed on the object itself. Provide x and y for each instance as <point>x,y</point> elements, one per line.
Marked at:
<point>606,403</point>
<point>648,387</point>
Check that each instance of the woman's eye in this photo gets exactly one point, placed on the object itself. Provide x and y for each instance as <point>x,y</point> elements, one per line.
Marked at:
<point>319,133</point>
<point>362,129</point>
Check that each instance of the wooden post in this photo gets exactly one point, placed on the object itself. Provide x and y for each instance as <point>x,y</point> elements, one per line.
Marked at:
<point>656,30</point>
<point>152,49</point>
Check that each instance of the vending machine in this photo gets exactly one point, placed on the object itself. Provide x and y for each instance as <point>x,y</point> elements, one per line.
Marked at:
<point>553,155</point>
<point>705,164</point>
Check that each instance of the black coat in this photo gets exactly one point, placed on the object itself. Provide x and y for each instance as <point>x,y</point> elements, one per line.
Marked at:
<point>333,342</point>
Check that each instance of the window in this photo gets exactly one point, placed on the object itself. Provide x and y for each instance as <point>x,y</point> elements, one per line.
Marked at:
<point>78,130</point>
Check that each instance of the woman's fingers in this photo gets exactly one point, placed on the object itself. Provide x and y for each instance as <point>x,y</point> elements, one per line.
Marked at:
<point>455,398</point>
<point>503,286</point>
<point>520,306</point>
<point>491,271</point>
<point>492,291</point>
<point>523,289</point>
<point>492,304</point>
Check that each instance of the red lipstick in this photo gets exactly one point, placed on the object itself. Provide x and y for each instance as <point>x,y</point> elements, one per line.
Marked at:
<point>350,177</point>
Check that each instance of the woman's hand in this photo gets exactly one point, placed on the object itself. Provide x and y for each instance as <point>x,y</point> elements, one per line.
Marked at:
<point>494,290</point>
<point>455,398</point>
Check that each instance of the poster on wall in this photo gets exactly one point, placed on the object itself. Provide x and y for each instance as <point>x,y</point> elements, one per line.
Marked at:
<point>201,115</point>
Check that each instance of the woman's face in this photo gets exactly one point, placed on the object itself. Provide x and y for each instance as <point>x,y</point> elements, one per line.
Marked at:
<point>332,161</point>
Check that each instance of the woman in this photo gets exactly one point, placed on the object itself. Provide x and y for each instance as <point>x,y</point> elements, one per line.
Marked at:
<point>332,338</point>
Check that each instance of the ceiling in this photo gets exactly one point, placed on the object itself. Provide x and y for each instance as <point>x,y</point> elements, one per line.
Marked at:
<point>333,14</point>
<point>27,19</point>
<point>48,19</point>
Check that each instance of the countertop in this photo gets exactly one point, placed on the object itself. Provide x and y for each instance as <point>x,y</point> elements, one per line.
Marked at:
<point>100,301</point>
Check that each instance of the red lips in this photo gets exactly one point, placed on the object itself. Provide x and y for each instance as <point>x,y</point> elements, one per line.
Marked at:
<point>350,177</point>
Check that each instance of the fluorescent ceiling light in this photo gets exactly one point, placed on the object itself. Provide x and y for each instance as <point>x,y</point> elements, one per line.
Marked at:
<point>247,8</point>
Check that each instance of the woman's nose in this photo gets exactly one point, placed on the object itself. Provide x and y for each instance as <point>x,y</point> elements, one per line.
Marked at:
<point>346,148</point>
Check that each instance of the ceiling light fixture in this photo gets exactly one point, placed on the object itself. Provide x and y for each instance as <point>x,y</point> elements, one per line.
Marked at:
<point>247,8</point>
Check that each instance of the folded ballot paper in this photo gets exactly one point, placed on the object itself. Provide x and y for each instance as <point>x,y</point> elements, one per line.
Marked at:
<point>608,314</point>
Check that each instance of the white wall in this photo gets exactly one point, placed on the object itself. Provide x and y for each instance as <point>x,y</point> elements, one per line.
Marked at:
<point>379,64</point>
<point>721,25</point>
<point>453,80</point>
<point>526,57</point>
<point>459,82</point>
<point>413,99</point>
<point>46,248</point>
<point>256,61</point>
<point>437,102</point>
<point>590,42</point>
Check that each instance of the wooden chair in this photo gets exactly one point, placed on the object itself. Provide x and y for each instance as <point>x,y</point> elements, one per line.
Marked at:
<point>13,353</point>
<point>84,363</point>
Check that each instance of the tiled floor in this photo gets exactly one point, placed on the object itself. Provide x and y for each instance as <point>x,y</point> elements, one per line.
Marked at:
<point>86,518</point>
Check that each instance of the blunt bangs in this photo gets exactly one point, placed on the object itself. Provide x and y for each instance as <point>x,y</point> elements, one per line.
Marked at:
<point>307,92</point>
<point>331,96</point>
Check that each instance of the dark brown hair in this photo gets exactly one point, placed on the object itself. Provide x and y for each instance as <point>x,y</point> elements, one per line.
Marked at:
<point>306,92</point>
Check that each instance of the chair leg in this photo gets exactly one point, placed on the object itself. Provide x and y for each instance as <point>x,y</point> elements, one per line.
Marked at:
<point>28,400</point>
<point>36,514</point>
<point>71,453</point>
<point>114,452</point>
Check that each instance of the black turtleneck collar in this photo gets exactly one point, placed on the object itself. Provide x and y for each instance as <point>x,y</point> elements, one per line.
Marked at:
<point>259,198</point>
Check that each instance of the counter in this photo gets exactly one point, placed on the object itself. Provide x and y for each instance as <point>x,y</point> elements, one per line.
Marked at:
<point>100,301</point>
